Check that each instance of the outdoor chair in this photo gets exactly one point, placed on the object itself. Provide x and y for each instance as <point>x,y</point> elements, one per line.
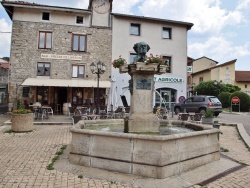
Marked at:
<point>92,110</point>
<point>41,114</point>
<point>71,112</point>
<point>197,118</point>
<point>103,109</point>
<point>76,119</point>
<point>81,112</point>
<point>50,110</point>
<point>110,115</point>
<point>183,116</point>
<point>117,113</point>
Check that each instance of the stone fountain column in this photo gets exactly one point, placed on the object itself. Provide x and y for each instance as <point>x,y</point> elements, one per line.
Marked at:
<point>141,87</point>
<point>141,117</point>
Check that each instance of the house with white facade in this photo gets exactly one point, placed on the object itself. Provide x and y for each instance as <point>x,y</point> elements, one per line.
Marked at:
<point>167,38</point>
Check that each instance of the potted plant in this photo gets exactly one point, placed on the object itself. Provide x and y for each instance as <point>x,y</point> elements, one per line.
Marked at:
<point>154,59</point>
<point>208,117</point>
<point>22,119</point>
<point>155,63</point>
<point>121,64</point>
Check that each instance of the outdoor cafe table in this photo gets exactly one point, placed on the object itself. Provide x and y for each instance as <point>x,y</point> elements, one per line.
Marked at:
<point>92,116</point>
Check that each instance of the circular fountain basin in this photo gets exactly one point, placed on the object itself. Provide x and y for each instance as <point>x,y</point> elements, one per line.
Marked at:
<point>157,156</point>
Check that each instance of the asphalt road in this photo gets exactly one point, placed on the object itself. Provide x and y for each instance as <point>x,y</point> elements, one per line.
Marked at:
<point>243,118</point>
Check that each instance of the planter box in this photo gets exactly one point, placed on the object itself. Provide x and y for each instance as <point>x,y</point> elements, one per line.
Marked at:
<point>123,69</point>
<point>152,67</point>
<point>207,120</point>
<point>22,122</point>
<point>162,69</point>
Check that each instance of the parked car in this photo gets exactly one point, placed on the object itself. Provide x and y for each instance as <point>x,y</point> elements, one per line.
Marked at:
<point>199,104</point>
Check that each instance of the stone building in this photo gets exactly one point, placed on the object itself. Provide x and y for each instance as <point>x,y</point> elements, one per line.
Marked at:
<point>51,52</point>
<point>4,78</point>
<point>53,47</point>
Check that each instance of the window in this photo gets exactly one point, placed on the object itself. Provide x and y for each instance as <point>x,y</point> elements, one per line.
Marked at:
<point>42,94</point>
<point>200,79</point>
<point>135,29</point>
<point>77,96</point>
<point>166,33</point>
<point>43,69</point>
<point>46,16</point>
<point>245,85</point>
<point>167,63</point>
<point>45,40</point>
<point>132,57</point>
<point>79,19</point>
<point>79,43</point>
<point>78,71</point>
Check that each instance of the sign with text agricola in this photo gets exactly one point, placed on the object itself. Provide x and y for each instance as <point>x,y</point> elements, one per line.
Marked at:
<point>235,99</point>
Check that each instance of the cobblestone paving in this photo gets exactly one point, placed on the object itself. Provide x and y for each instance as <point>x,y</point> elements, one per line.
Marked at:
<point>24,157</point>
<point>237,150</point>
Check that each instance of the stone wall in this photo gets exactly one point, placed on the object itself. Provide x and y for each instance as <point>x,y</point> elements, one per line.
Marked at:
<point>25,53</point>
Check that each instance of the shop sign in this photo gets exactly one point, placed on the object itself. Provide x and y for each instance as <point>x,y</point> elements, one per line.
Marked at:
<point>56,56</point>
<point>166,79</point>
<point>189,69</point>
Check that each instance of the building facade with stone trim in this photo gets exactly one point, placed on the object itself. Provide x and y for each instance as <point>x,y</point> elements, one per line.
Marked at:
<point>50,67</point>
<point>51,52</point>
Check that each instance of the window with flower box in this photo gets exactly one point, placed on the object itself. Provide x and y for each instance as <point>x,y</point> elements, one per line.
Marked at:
<point>167,63</point>
<point>43,69</point>
<point>45,40</point>
<point>79,43</point>
<point>135,29</point>
<point>166,33</point>
<point>78,71</point>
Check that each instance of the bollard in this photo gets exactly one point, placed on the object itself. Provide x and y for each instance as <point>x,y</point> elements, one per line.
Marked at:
<point>216,124</point>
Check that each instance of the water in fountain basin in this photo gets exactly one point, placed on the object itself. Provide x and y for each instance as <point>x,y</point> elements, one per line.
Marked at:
<point>164,130</point>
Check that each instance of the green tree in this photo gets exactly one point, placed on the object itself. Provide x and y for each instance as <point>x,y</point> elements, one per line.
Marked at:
<point>6,59</point>
<point>209,88</point>
<point>244,101</point>
<point>231,88</point>
<point>224,98</point>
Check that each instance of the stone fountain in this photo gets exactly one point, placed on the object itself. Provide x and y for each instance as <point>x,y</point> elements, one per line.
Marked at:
<point>141,154</point>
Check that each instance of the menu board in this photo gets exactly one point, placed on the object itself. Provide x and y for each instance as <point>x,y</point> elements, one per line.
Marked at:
<point>26,91</point>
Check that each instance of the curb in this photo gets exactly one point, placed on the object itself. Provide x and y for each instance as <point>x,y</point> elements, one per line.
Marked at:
<point>243,134</point>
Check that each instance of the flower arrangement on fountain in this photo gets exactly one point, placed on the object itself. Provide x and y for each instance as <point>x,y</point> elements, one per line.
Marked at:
<point>119,62</point>
<point>154,59</point>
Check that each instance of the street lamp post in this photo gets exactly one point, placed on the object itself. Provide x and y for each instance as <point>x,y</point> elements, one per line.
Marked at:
<point>98,69</point>
<point>192,87</point>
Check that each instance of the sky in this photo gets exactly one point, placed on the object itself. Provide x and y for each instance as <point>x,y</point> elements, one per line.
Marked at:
<point>220,32</point>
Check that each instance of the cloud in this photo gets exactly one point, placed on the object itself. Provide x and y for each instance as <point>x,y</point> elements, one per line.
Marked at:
<point>243,4</point>
<point>125,7</point>
<point>83,4</point>
<point>219,49</point>
<point>207,15</point>
<point>4,38</point>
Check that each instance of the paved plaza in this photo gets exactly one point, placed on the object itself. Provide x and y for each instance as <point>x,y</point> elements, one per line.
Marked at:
<point>25,156</point>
